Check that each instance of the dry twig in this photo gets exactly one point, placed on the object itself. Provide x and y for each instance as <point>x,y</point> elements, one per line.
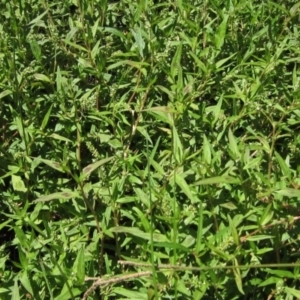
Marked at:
<point>104,281</point>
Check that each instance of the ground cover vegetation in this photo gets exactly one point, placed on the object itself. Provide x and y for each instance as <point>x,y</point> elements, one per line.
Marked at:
<point>149,149</point>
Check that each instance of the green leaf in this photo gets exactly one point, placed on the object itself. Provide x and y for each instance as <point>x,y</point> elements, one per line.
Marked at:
<point>60,138</point>
<point>221,33</point>
<point>134,64</point>
<point>116,32</point>
<point>177,146</point>
<point>267,215</point>
<point>176,61</point>
<point>76,46</point>
<point>218,252</point>
<point>3,224</point>
<point>22,239</point>
<point>221,62</point>
<point>294,10</point>
<point>289,192</point>
<point>281,273</point>
<point>42,77</point>
<point>199,63</point>
<point>144,132</point>
<point>38,18</point>
<point>22,257</point>
<point>218,180</point>
<point>92,167</point>
<point>66,294</point>
<point>46,118</point>
<point>166,91</point>
<point>94,30</point>
<point>164,113</point>
<point>143,218</point>
<point>180,181</point>
<point>18,184</point>
<point>255,238</point>
<point>199,244</point>
<point>36,49</point>
<point>229,205</point>
<point>85,63</point>
<point>238,277</point>
<point>130,294</point>
<point>283,166</point>
<point>59,83</point>
<point>79,266</point>
<point>24,279</point>
<point>137,34</point>
<point>35,227</point>
<point>293,292</point>
<point>150,294</point>
<point>151,158</point>
<point>271,280</point>
<point>181,287</point>
<point>206,150</point>
<point>5,93</point>
<point>60,195</point>
<point>171,246</point>
<point>233,145</point>
<point>96,49</point>
<point>4,290</point>
<point>217,110</point>
<point>15,290</point>
<point>53,164</point>
<point>234,232</point>
<point>137,232</point>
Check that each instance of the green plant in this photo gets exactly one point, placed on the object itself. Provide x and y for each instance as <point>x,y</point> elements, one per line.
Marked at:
<point>150,147</point>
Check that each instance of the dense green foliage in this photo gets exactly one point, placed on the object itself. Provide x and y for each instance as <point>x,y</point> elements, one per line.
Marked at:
<point>160,133</point>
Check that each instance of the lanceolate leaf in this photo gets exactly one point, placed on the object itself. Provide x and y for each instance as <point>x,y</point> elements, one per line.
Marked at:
<point>180,181</point>
<point>259,237</point>
<point>92,167</point>
<point>46,118</point>
<point>38,18</point>
<point>60,195</point>
<point>233,231</point>
<point>42,77</point>
<point>176,61</point>
<point>177,146</point>
<point>79,266</point>
<point>289,192</point>
<point>15,290</point>
<point>137,33</point>
<point>200,229</point>
<point>293,292</point>
<point>137,232</point>
<point>53,164</point>
<point>221,33</point>
<point>238,277</point>
<point>217,180</point>
<point>233,145</point>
